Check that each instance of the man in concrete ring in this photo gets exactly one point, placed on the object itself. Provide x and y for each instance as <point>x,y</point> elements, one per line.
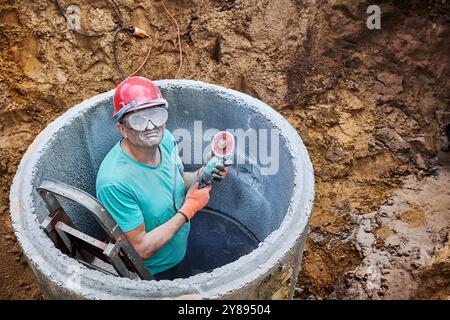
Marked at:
<point>142,182</point>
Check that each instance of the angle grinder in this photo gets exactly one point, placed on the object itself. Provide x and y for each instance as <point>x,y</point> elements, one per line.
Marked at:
<point>222,147</point>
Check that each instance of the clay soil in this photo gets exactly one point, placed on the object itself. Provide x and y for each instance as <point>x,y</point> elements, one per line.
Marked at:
<point>370,105</point>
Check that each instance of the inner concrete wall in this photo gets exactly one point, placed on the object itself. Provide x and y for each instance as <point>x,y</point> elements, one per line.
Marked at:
<point>256,201</point>
<point>259,202</point>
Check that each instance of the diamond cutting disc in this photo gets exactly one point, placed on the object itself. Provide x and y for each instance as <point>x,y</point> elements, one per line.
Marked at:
<point>223,144</point>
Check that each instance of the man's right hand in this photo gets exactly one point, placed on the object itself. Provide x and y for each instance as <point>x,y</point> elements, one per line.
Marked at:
<point>196,199</point>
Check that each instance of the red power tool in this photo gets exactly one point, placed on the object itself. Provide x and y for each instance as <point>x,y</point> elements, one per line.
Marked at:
<point>222,147</point>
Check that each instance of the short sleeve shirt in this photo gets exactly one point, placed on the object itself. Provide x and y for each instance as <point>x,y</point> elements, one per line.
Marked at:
<point>135,193</point>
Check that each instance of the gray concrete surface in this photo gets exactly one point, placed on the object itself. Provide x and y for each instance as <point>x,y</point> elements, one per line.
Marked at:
<point>257,258</point>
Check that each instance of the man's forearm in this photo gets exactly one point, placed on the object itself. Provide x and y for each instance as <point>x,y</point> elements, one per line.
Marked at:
<point>158,237</point>
<point>189,178</point>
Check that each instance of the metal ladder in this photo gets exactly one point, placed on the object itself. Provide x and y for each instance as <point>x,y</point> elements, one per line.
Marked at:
<point>115,251</point>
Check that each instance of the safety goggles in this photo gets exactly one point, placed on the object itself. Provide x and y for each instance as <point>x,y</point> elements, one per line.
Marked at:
<point>147,118</point>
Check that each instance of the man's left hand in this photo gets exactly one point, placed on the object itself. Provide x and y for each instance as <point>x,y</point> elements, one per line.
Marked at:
<point>218,172</point>
<point>221,170</point>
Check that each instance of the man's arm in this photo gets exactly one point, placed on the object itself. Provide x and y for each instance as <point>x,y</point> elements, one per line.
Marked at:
<point>146,244</point>
<point>189,178</point>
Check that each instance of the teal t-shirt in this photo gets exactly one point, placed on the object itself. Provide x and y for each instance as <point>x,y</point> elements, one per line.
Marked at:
<point>133,193</point>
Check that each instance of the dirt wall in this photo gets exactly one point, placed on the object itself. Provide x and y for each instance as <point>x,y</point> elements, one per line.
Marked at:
<point>370,106</point>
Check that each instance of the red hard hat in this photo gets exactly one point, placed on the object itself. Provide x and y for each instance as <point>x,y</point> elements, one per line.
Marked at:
<point>136,93</point>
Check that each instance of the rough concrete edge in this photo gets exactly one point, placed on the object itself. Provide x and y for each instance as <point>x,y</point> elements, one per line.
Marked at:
<point>200,286</point>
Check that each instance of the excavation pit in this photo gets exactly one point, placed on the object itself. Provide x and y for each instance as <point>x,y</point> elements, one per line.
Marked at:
<point>247,243</point>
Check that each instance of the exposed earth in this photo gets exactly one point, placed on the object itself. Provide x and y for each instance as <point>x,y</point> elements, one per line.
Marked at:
<point>370,105</point>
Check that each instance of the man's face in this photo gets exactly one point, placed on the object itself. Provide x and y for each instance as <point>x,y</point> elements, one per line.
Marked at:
<point>149,137</point>
<point>146,138</point>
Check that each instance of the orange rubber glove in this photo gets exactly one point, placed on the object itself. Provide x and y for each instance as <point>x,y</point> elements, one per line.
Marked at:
<point>196,199</point>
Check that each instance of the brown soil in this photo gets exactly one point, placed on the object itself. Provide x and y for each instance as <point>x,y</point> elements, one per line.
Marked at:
<point>370,106</point>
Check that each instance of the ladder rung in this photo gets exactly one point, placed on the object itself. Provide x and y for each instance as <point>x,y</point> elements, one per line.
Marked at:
<point>84,237</point>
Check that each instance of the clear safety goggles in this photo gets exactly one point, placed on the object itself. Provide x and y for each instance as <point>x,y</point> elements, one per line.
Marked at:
<point>147,118</point>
